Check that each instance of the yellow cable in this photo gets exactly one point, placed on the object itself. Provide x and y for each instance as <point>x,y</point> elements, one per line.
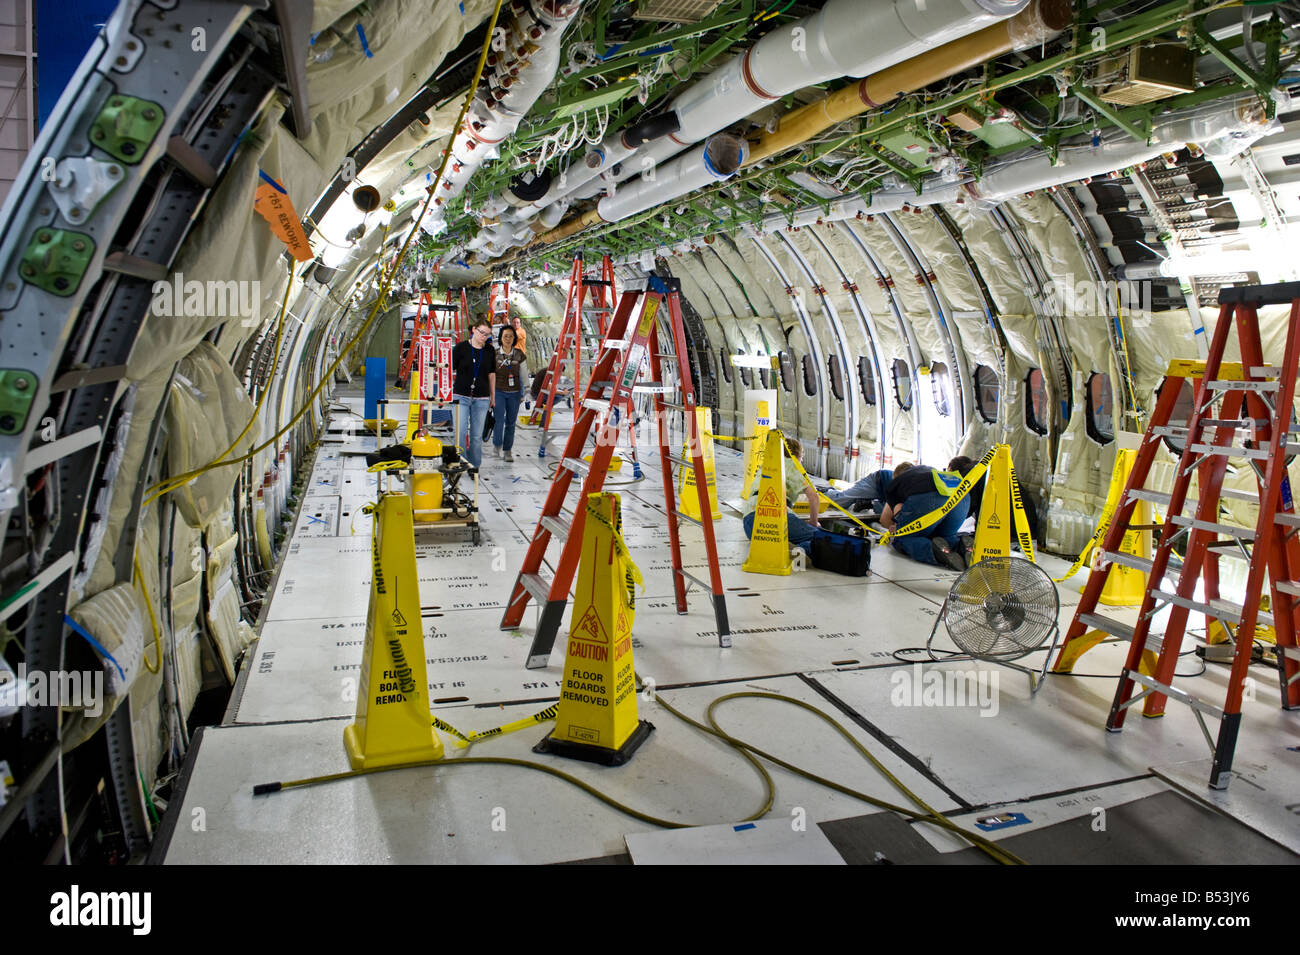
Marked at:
<point>171,483</point>
<point>157,637</point>
<point>384,286</point>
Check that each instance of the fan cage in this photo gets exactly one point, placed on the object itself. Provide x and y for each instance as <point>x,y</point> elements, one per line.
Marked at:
<point>1001,609</point>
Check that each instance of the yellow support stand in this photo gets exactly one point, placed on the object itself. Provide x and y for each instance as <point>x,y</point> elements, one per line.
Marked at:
<point>688,500</point>
<point>769,544</point>
<point>597,716</point>
<point>413,415</point>
<point>394,724</point>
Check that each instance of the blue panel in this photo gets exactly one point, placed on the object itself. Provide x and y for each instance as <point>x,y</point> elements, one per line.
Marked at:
<point>376,373</point>
<point>64,31</point>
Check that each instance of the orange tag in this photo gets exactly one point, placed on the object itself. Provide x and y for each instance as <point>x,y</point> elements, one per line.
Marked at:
<point>273,204</point>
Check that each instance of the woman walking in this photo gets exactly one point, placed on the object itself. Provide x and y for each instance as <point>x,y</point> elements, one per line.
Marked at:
<point>510,391</point>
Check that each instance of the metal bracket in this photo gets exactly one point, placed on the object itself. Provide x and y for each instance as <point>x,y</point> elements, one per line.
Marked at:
<point>80,183</point>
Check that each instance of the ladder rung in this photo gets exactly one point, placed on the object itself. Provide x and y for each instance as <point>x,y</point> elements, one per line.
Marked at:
<point>1231,451</point>
<point>693,579</point>
<point>680,461</point>
<point>595,310</point>
<point>1094,621</point>
<point>602,282</point>
<point>1237,424</point>
<point>1180,696</point>
<point>1244,385</point>
<point>537,586</point>
<point>1265,371</point>
<point>650,388</point>
<point>1292,652</point>
<point>1250,497</point>
<point>557,525</point>
<point>686,517</point>
<point>1290,520</point>
<point>1222,610</point>
<point>576,465</point>
<point>1143,564</point>
<point>598,405</point>
<point>617,344</point>
<point>1243,533</point>
<point>662,357</point>
<point>1292,447</point>
<point>1288,587</point>
<point>669,404</point>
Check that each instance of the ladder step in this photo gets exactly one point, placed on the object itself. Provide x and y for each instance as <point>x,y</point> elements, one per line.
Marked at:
<point>1242,533</point>
<point>1094,621</point>
<point>663,357</point>
<point>1244,385</point>
<point>686,517</point>
<point>1220,609</point>
<point>693,579</point>
<point>1181,696</point>
<point>1231,451</point>
<point>538,587</point>
<point>683,462</point>
<point>596,310</point>
<point>1238,424</point>
<point>669,404</point>
<point>603,282</point>
<point>557,525</point>
<point>576,465</point>
<point>599,405</point>
<point>1290,520</point>
<point>1288,587</point>
<point>1144,564</point>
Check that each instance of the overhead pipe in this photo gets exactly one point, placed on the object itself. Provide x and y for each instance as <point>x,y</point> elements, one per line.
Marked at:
<point>1037,23</point>
<point>844,38</point>
<point>510,88</point>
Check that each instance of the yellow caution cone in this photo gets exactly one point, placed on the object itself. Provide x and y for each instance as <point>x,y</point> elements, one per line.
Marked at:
<point>1126,586</point>
<point>769,544</point>
<point>1002,513</point>
<point>394,724</point>
<point>597,716</point>
<point>688,498</point>
<point>754,447</point>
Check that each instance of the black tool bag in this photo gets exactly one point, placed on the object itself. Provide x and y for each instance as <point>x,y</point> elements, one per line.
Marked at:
<point>845,554</point>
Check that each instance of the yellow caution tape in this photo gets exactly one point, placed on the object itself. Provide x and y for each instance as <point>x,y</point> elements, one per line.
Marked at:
<point>863,524</point>
<point>1118,479</point>
<point>464,741</point>
<point>631,572</point>
<point>964,488</point>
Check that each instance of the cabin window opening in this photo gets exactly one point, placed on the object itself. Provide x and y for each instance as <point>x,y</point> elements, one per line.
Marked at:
<point>837,377</point>
<point>940,388</point>
<point>902,384</point>
<point>987,389</point>
<point>1101,427</point>
<point>1036,416</point>
<point>809,377</point>
<point>867,377</point>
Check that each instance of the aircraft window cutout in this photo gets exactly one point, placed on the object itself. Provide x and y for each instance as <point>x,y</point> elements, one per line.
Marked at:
<point>1036,401</point>
<point>867,376</point>
<point>762,378</point>
<point>1181,414</point>
<point>902,384</point>
<point>940,384</point>
<point>837,378</point>
<point>787,372</point>
<point>986,393</point>
<point>726,364</point>
<point>809,377</point>
<point>1100,403</point>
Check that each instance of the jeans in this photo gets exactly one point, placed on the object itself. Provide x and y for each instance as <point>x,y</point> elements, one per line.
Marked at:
<point>506,412</point>
<point>917,546</point>
<point>799,531</point>
<point>473,413</point>
<point>870,488</point>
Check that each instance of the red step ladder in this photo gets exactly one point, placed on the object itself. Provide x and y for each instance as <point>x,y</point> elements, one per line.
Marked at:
<point>499,302</point>
<point>599,295</point>
<point>610,389</point>
<point>1253,398</point>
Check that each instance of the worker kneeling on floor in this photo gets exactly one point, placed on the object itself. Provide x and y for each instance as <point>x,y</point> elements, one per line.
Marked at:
<point>918,490</point>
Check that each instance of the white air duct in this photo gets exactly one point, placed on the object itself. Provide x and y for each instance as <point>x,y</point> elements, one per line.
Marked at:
<point>844,38</point>
<point>717,159</point>
<point>516,80</point>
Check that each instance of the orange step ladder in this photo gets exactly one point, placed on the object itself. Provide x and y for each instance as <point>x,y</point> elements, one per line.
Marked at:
<point>610,388</point>
<point>1255,399</point>
<point>599,295</point>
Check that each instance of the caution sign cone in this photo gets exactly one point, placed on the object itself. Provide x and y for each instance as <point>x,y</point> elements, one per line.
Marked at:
<point>1002,513</point>
<point>755,446</point>
<point>1126,586</point>
<point>769,544</point>
<point>394,724</point>
<point>687,496</point>
<point>597,716</point>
